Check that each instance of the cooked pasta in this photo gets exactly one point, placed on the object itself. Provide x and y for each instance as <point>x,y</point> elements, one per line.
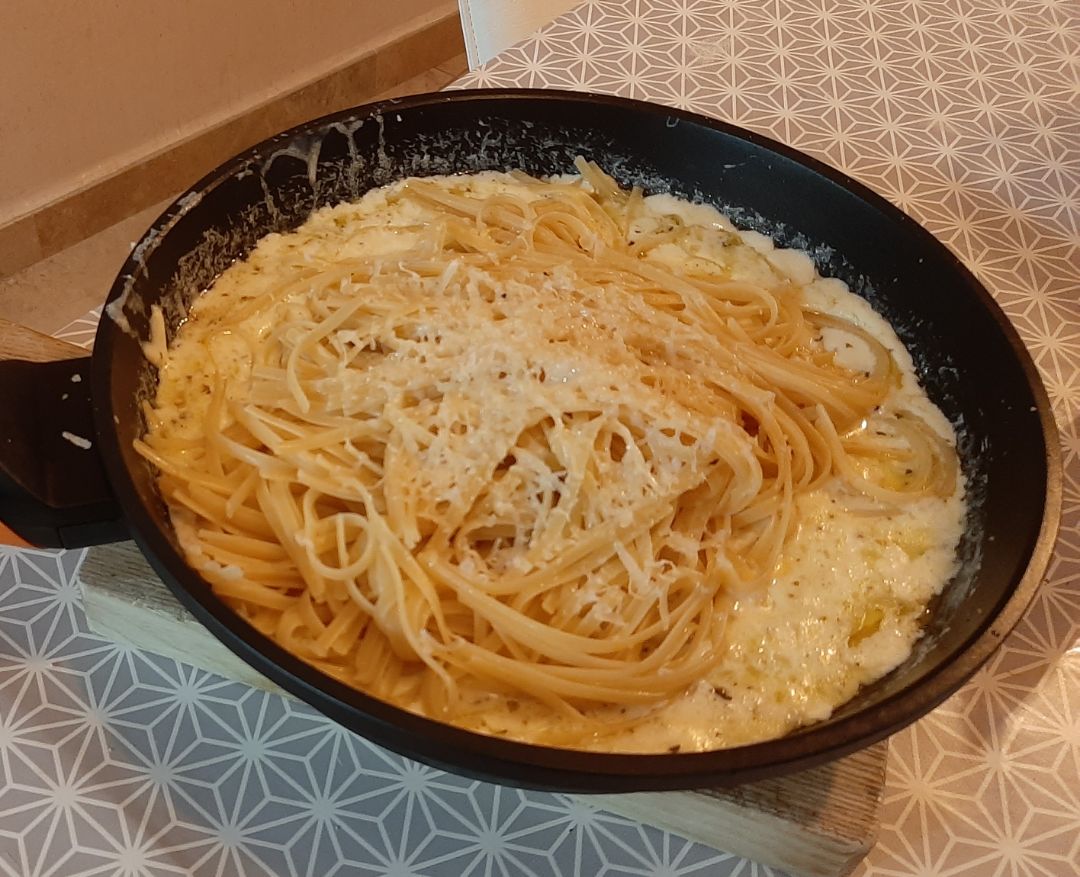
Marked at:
<point>500,446</point>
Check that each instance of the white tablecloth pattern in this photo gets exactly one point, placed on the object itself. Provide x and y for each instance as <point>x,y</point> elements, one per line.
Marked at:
<point>966,114</point>
<point>962,112</point>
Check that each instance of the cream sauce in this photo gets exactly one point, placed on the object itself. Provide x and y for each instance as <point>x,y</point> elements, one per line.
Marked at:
<point>847,599</point>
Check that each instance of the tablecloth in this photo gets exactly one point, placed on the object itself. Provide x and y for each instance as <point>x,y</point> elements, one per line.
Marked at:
<point>962,112</point>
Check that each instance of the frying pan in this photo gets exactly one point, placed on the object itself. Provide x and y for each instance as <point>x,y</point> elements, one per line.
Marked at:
<point>968,356</point>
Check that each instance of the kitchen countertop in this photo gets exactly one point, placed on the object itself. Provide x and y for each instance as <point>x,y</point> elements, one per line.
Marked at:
<point>966,114</point>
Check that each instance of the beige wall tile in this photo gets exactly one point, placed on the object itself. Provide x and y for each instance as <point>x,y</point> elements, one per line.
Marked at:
<point>78,245</point>
<point>418,52</point>
<point>19,245</point>
<point>107,202</point>
<point>51,293</point>
<point>91,88</point>
<point>456,66</point>
<point>429,80</point>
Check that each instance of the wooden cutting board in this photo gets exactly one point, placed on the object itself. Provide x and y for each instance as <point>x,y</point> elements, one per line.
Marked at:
<point>817,823</point>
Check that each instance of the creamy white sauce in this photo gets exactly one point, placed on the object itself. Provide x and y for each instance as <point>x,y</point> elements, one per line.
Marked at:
<point>848,596</point>
<point>845,605</point>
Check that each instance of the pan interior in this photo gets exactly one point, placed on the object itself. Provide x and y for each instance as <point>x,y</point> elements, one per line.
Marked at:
<point>965,358</point>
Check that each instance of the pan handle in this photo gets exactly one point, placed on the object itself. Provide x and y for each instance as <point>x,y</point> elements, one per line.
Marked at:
<point>53,488</point>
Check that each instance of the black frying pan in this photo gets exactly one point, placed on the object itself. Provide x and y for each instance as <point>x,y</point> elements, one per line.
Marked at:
<point>968,356</point>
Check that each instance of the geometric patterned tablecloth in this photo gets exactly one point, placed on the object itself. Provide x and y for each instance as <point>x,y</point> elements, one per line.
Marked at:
<point>966,114</point>
<point>962,112</point>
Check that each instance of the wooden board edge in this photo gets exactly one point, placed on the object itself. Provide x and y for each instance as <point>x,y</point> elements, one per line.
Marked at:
<point>127,603</point>
<point>768,838</point>
<point>129,623</point>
